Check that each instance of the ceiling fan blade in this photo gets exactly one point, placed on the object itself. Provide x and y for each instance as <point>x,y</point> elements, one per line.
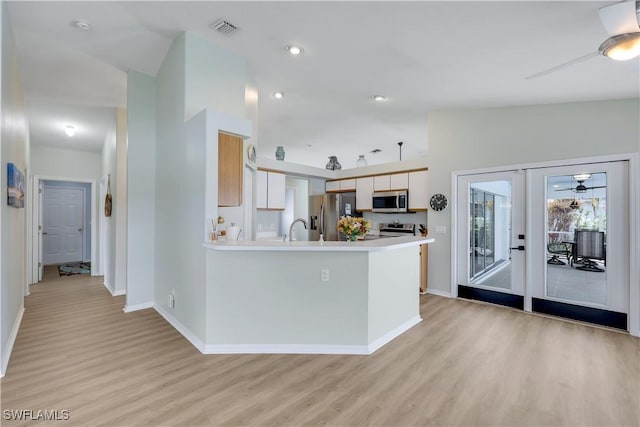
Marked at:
<point>561,66</point>
<point>565,189</point>
<point>597,186</point>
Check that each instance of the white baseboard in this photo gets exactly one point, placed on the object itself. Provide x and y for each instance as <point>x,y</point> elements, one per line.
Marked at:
<point>197,343</point>
<point>285,349</point>
<point>121,292</point>
<point>143,306</point>
<point>109,287</point>
<point>389,336</point>
<point>439,293</point>
<point>6,353</point>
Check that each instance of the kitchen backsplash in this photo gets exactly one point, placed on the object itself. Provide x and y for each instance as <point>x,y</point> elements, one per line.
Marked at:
<point>416,218</point>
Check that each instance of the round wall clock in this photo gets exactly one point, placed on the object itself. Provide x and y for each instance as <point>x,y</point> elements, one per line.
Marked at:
<point>438,202</point>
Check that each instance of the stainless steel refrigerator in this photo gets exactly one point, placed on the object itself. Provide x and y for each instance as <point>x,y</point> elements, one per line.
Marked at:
<point>326,210</point>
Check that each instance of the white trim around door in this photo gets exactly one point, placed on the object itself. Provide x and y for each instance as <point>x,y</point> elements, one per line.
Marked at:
<point>34,259</point>
<point>633,160</point>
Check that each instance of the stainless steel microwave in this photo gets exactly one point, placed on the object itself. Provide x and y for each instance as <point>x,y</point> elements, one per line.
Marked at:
<point>390,201</point>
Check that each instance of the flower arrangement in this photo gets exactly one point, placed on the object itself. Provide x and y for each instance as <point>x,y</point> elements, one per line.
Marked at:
<point>353,227</point>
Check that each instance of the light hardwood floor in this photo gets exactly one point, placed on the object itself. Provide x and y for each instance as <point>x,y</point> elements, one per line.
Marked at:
<point>465,364</point>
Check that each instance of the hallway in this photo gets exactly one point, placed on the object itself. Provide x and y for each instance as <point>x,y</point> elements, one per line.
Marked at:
<point>466,364</point>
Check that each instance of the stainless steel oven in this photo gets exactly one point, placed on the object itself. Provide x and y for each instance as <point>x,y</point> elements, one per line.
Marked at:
<point>390,201</point>
<point>395,229</point>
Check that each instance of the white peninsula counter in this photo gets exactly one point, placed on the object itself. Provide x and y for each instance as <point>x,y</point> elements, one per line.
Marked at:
<point>310,297</point>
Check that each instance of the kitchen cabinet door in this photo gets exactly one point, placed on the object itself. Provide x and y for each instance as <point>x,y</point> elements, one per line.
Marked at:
<point>330,186</point>
<point>399,181</point>
<point>364,190</point>
<point>348,184</point>
<point>381,183</point>
<point>261,189</point>
<point>418,198</point>
<point>276,188</point>
<point>229,170</point>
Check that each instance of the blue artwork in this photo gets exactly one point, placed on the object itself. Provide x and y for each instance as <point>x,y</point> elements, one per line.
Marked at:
<point>15,186</point>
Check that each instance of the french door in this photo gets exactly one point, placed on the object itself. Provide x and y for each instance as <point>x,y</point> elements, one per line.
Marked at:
<point>551,240</point>
<point>491,239</point>
<point>580,215</point>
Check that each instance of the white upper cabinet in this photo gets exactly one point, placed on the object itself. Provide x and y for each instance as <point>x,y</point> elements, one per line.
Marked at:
<point>261,190</point>
<point>270,189</point>
<point>399,181</point>
<point>381,183</point>
<point>332,186</point>
<point>340,185</point>
<point>418,199</point>
<point>364,190</point>
<point>396,181</point>
<point>276,190</point>
<point>348,184</point>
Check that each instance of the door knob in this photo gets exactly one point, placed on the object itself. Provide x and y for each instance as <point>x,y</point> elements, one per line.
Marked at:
<point>45,233</point>
<point>80,230</point>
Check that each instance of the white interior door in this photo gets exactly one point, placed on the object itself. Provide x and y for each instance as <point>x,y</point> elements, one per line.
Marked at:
<point>490,233</point>
<point>580,258</point>
<point>40,233</point>
<point>63,219</point>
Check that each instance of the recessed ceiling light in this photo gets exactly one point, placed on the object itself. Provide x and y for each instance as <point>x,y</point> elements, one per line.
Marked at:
<point>379,98</point>
<point>294,50</point>
<point>69,130</point>
<point>82,24</point>
<point>278,95</point>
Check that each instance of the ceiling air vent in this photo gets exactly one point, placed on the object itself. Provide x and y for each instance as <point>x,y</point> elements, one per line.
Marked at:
<point>224,27</point>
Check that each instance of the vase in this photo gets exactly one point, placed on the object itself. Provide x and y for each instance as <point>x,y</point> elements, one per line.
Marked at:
<point>280,153</point>
<point>333,164</point>
<point>352,238</point>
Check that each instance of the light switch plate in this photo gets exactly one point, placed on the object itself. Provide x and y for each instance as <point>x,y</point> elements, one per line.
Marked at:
<point>441,229</point>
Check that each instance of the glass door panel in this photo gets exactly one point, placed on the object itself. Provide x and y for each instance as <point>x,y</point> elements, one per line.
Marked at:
<point>579,245</point>
<point>576,230</point>
<point>492,206</point>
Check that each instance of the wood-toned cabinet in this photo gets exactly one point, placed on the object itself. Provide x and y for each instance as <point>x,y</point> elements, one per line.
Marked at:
<point>270,190</point>
<point>418,198</point>
<point>229,170</point>
<point>424,267</point>
<point>364,190</point>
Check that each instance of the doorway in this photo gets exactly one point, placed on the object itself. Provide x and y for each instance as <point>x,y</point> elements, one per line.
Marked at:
<point>574,261</point>
<point>70,207</point>
<point>491,224</point>
<point>66,222</point>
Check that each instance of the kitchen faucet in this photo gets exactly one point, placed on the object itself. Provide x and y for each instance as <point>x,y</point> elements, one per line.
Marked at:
<point>302,220</point>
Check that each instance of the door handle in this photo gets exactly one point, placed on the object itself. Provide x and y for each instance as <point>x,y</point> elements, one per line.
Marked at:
<point>44,233</point>
<point>80,230</point>
<point>520,248</point>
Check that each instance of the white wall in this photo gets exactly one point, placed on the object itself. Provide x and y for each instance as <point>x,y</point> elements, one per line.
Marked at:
<point>141,175</point>
<point>120,203</point>
<point>108,224</point>
<point>59,163</point>
<point>473,139</point>
<point>14,149</point>
<point>193,76</point>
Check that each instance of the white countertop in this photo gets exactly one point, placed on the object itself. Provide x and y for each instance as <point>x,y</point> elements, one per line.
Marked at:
<point>385,244</point>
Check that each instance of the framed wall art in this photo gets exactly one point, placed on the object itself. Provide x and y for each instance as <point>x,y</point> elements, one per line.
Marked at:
<point>15,186</point>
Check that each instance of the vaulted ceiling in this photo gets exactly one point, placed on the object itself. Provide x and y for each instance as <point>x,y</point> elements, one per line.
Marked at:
<point>422,56</point>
